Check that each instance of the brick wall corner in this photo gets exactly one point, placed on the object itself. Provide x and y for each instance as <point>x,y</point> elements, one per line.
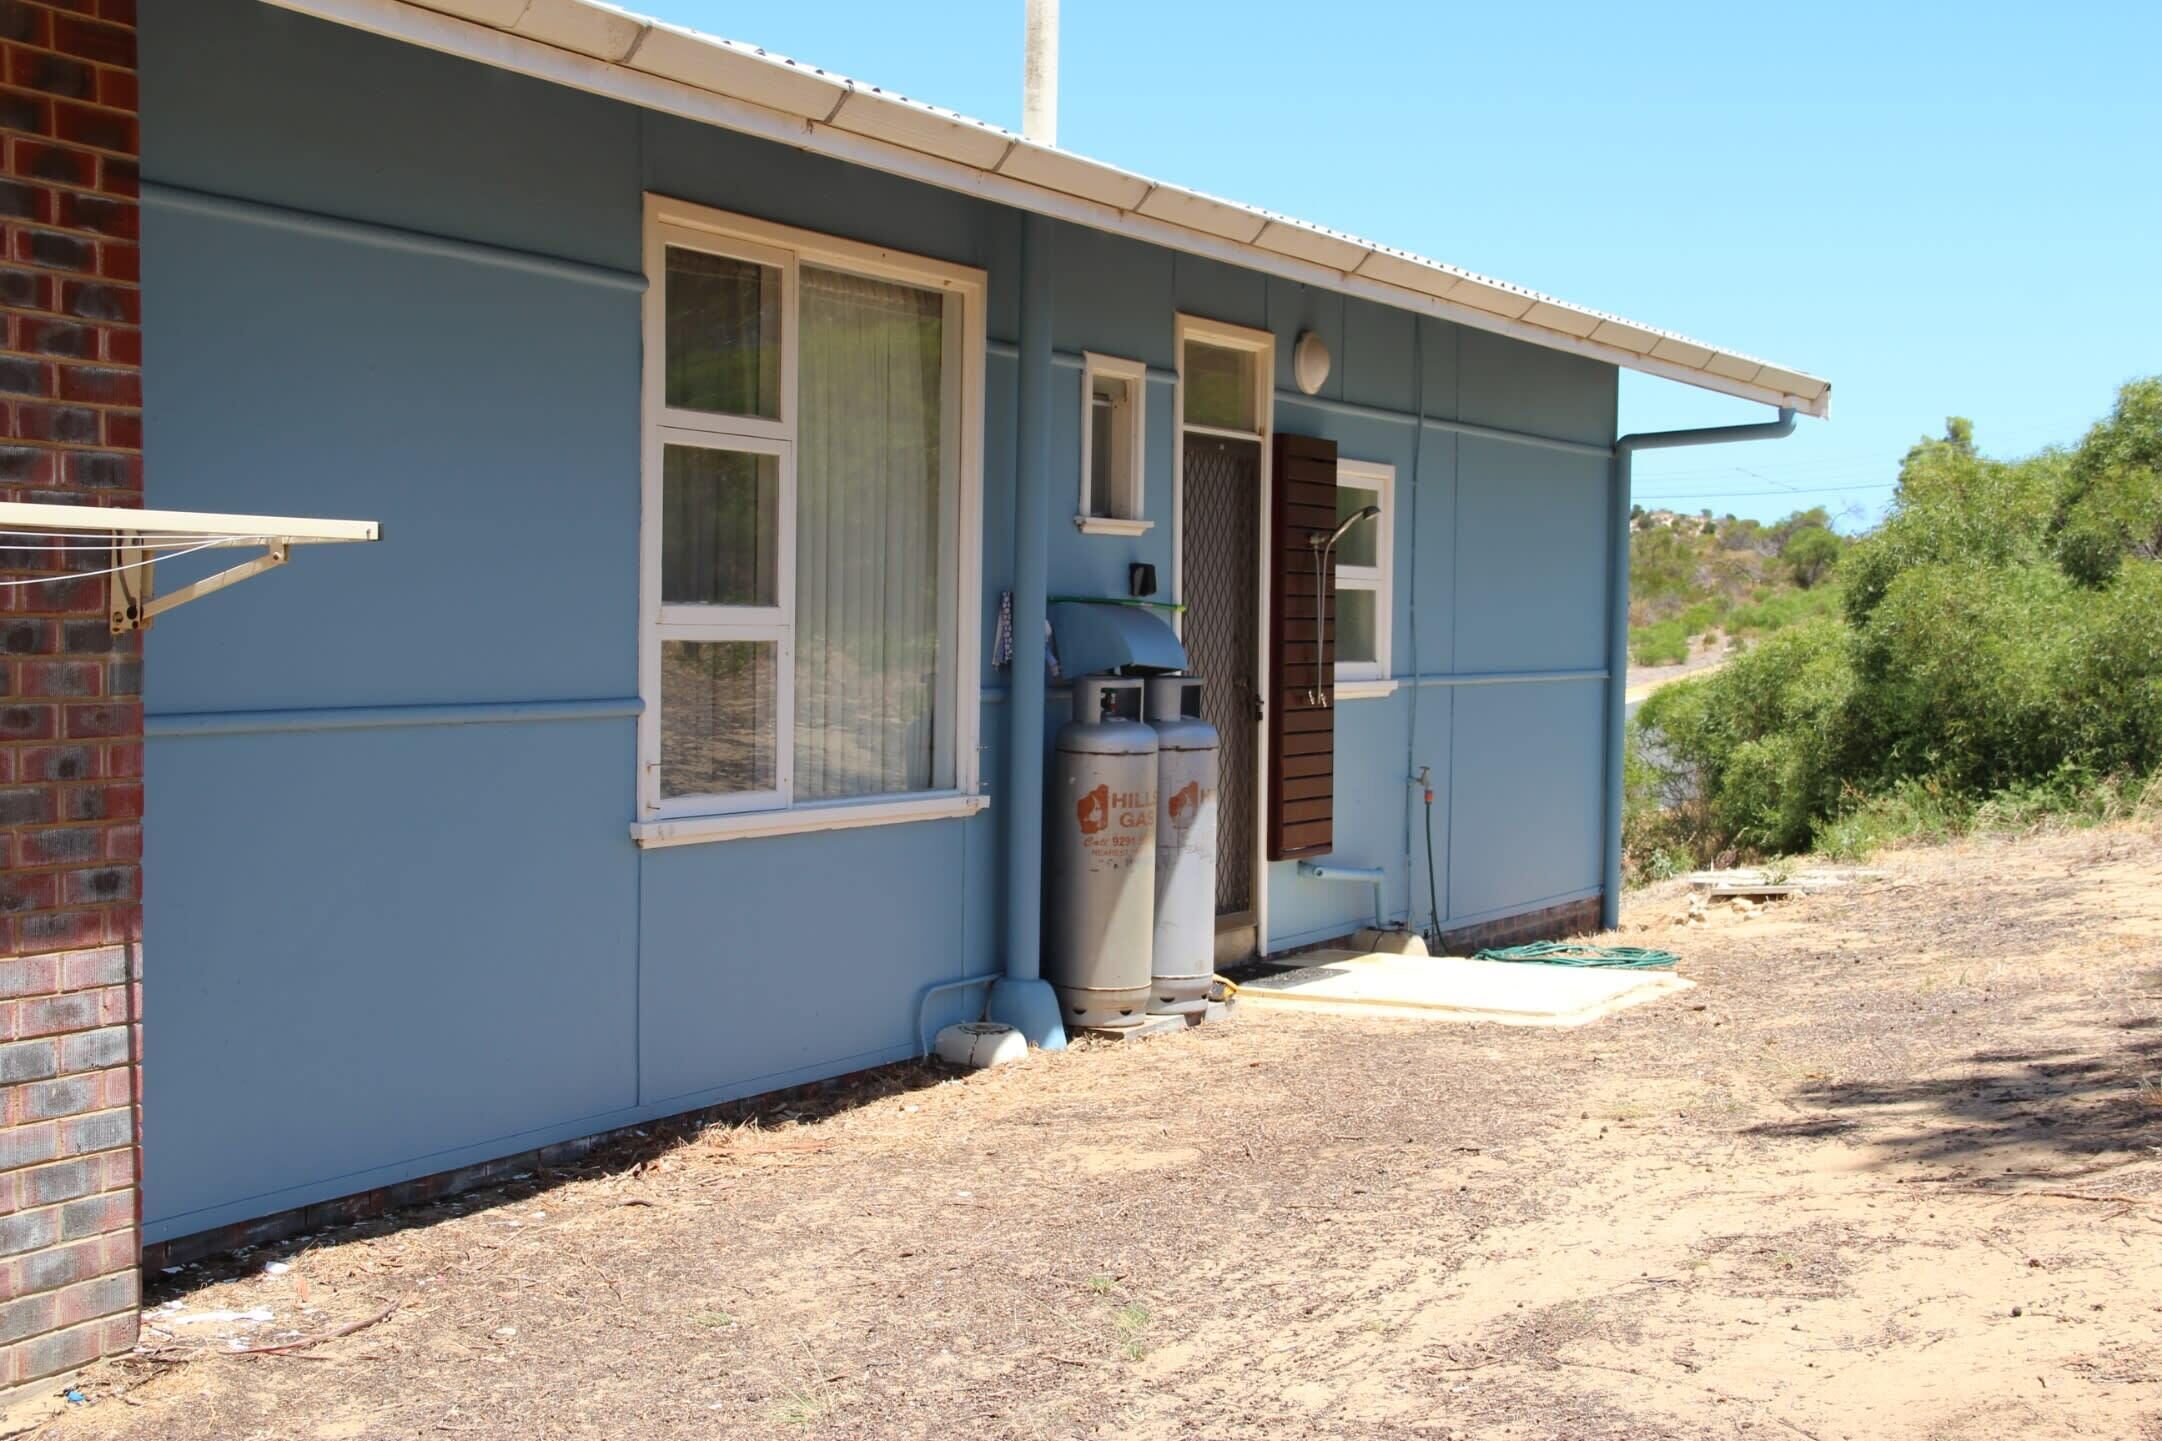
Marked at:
<point>71,724</point>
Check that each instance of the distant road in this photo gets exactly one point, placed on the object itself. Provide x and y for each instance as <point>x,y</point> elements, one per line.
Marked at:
<point>1640,690</point>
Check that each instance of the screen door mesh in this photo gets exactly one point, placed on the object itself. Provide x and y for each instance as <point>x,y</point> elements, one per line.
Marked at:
<point>1220,579</point>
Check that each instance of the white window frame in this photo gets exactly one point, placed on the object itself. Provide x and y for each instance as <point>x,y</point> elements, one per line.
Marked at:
<point>1260,348</point>
<point>1131,489</point>
<point>1359,680</point>
<point>682,819</point>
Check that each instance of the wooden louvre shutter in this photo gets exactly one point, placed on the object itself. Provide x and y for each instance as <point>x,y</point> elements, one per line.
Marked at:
<point>1302,718</point>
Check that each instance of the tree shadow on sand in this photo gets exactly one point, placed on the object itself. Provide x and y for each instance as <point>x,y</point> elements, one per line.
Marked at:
<point>2046,1111</point>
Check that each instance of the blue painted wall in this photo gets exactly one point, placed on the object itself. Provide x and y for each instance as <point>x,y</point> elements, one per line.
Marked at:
<point>383,942</point>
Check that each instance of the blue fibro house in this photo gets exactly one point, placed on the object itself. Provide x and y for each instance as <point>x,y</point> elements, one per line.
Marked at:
<point>733,427</point>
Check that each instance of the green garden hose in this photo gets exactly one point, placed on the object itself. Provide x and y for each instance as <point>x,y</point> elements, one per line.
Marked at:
<point>1571,953</point>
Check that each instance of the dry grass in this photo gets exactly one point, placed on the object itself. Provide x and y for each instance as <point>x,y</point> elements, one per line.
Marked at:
<point>1891,1170</point>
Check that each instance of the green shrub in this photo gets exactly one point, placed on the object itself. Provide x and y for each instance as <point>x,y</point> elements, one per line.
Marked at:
<point>1664,827</point>
<point>2109,507</point>
<point>1763,741</point>
<point>1809,553</point>
<point>1663,642</point>
<point>1991,655</point>
<point>1954,505</point>
<point>1908,811</point>
<point>1964,664</point>
<point>1927,811</point>
<point>1776,610</point>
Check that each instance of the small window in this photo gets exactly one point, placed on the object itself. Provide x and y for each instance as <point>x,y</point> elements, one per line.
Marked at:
<point>720,526</point>
<point>724,334</point>
<point>1220,387</point>
<point>720,721</point>
<point>1363,598</point>
<point>1113,399</point>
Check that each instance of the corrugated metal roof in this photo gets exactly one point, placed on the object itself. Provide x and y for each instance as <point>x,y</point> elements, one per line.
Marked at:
<point>599,47</point>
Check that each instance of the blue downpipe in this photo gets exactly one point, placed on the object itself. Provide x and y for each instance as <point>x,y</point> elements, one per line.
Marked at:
<point>1617,643</point>
<point>1022,998</point>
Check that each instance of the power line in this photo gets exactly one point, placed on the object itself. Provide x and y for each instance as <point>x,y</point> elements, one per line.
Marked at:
<point>1827,462</point>
<point>1847,475</point>
<point>1803,493</point>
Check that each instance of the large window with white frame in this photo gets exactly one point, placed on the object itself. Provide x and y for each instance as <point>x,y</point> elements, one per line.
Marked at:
<point>813,413</point>
<point>1363,573</point>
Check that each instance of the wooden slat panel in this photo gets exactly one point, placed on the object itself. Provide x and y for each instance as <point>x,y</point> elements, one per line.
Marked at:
<point>1306,788</point>
<point>1312,743</point>
<point>1302,731</point>
<point>1296,767</point>
<point>1314,838</point>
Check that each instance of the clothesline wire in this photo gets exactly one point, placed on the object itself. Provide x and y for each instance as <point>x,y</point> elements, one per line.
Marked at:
<point>79,540</point>
<point>109,570</point>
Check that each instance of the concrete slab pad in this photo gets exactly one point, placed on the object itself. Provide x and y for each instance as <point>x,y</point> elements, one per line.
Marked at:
<point>1445,988</point>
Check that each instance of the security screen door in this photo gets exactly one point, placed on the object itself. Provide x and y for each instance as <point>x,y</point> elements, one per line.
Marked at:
<point>1220,529</point>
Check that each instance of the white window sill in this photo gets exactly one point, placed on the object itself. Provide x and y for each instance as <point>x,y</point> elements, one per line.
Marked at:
<point>695,830</point>
<point>1364,689</point>
<point>1112,525</point>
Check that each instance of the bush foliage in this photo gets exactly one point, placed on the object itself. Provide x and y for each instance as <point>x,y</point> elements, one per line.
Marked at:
<point>1691,577</point>
<point>1996,653</point>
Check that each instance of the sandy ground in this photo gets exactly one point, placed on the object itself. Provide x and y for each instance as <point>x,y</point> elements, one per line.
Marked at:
<point>1893,1169</point>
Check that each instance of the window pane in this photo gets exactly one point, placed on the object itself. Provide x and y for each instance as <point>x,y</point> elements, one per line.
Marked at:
<point>1355,626</point>
<point>720,519</point>
<point>869,471</point>
<point>717,717</point>
<point>724,334</point>
<point>1361,544</point>
<point>1219,386</point>
<point>1103,424</point>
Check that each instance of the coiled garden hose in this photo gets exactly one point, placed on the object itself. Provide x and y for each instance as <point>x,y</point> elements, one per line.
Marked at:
<point>1571,953</point>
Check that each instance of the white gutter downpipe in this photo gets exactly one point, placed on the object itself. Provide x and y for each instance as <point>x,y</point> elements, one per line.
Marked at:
<point>1617,646</point>
<point>1039,74</point>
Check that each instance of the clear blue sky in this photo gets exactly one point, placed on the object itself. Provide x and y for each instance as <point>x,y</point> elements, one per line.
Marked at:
<point>1944,209</point>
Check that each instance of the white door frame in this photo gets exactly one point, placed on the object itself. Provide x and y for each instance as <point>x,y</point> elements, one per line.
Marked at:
<point>1260,347</point>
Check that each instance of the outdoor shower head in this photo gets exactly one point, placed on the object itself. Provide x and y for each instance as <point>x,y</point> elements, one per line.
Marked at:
<point>1318,693</point>
<point>1367,512</point>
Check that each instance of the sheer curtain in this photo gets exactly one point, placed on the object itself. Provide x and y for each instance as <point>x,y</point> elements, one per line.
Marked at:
<point>868,468</point>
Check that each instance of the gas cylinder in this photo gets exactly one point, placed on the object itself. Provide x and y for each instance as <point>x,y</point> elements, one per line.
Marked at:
<point>1102,846</point>
<point>1183,949</point>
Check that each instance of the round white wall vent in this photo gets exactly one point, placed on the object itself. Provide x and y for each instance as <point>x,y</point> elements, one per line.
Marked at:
<point>1310,363</point>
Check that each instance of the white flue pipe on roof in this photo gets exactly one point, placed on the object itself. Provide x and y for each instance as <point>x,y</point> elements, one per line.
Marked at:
<point>1039,74</point>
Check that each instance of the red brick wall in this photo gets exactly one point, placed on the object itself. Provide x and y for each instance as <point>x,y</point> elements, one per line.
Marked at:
<point>71,722</point>
<point>1554,923</point>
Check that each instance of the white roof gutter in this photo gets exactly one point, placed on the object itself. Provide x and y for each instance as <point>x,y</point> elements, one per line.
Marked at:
<point>605,51</point>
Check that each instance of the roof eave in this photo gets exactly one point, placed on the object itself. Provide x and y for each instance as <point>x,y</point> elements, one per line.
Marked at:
<point>605,51</point>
